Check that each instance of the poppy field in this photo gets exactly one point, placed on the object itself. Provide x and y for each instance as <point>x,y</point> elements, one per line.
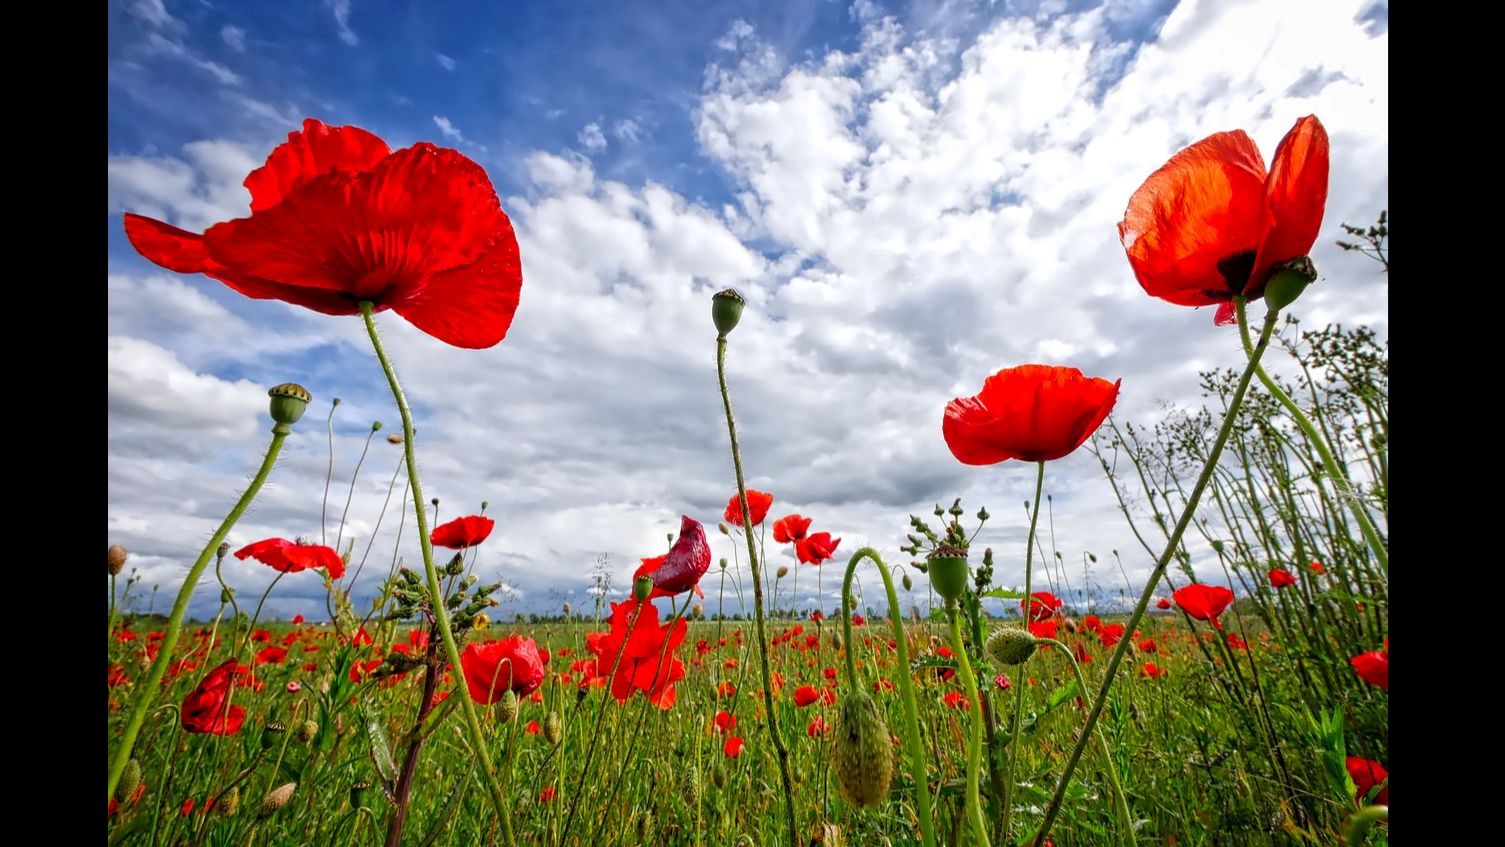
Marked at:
<point>1236,696</point>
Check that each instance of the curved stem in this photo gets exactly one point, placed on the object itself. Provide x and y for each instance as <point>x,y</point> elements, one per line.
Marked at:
<point>1029,559</point>
<point>1335,472</point>
<point>772,721</point>
<point>974,744</point>
<point>1126,818</point>
<point>912,741</point>
<point>153,682</point>
<point>1171,545</point>
<point>436,595</point>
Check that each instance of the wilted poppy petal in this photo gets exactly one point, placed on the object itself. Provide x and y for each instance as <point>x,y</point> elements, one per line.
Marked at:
<point>1195,216</point>
<point>470,306</point>
<point>317,148</point>
<point>1295,197</point>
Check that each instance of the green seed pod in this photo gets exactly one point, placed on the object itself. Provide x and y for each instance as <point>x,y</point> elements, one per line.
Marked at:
<point>864,756</point>
<point>130,779</point>
<point>276,799</point>
<point>726,310</point>
<point>1289,280</point>
<point>229,802</point>
<point>553,727</point>
<point>116,557</point>
<point>718,776</point>
<point>289,400</point>
<point>358,791</point>
<point>456,565</point>
<point>1010,645</point>
<point>271,734</point>
<point>948,572</point>
<point>307,731</point>
<point>908,582</point>
<point>642,588</point>
<point>836,639</point>
<point>692,788</point>
<point>226,595</point>
<point>507,707</point>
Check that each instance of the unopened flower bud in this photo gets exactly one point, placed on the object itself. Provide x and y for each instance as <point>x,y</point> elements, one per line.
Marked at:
<point>782,572</point>
<point>725,530</point>
<point>276,799</point>
<point>358,790</point>
<point>698,610</point>
<point>456,565</point>
<point>553,727</point>
<point>507,707</point>
<point>863,751</point>
<point>1010,645</point>
<point>480,622</point>
<point>228,802</point>
<point>394,438</point>
<point>376,426</point>
<point>270,735</point>
<point>116,558</point>
<point>130,780</point>
<point>908,582</point>
<point>289,400</point>
<point>226,595</point>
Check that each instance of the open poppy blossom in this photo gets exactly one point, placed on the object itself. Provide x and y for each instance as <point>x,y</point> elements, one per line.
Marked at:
<point>1366,774</point>
<point>337,218</point>
<point>1034,413</point>
<point>493,667</point>
<point>809,549</point>
<point>1281,578</point>
<point>293,556</point>
<point>1202,601</point>
<point>467,531</point>
<point>1374,667</point>
<point>757,505</point>
<point>207,708</point>
<point>1212,223</point>
<point>648,663</point>
<point>681,568</point>
<point>1042,607</point>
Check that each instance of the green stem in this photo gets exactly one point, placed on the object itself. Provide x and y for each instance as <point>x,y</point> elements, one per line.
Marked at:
<point>1172,544</point>
<point>772,720</point>
<point>436,595</point>
<point>1334,471</point>
<point>912,740</point>
<point>1125,817</point>
<point>974,744</point>
<point>1016,748</point>
<point>153,683</point>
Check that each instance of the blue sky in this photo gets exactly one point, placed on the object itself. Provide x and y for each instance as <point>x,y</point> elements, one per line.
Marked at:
<point>912,195</point>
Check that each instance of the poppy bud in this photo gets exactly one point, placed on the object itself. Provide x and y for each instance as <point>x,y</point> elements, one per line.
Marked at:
<point>698,611</point>
<point>863,751</point>
<point>1289,280</point>
<point>394,438</point>
<point>956,508</point>
<point>1217,547</point>
<point>223,550</point>
<point>921,567</point>
<point>723,564</point>
<point>130,780</point>
<point>228,802</point>
<point>692,787</point>
<point>553,727</point>
<point>642,588</point>
<point>507,707</point>
<point>726,310</point>
<point>782,572</point>
<point>269,735</point>
<point>456,565</point>
<point>908,582</point>
<point>718,776</point>
<point>1010,645</point>
<point>274,801</point>
<point>725,530</point>
<point>226,595</point>
<point>836,639</point>
<point>116,558</point>
<point>982,514</point>
<point>289,400</point>
<point>358,791</point>
<point>307,731</point>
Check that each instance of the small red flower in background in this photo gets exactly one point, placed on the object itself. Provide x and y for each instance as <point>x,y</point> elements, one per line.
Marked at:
<point>723,721</point>
<point>297,619</point>
<point>956,700</point>
<point>1152,670</point>
<point>1236,642</point>
<point>817,727</point>
<point>681,568</point>
<point>1148,646</point>
<point>1317,568</point>
<point>808,549</point>
<point>640,668</point>
<point>725,689</point>
<point>1366,774</point>
<point>294,687</point>
<point>1091,623</point>
<point>757,504</point>
<point>206,708</point>
<point>1110,634</point>
<point>1042,607</point>
<point>1374,667</point>
<point>467,531</point>
<point>1211,224</point>
<point>858,620</point>
<point>1002,683</point>
<point>1162,604</point>
<point>337,218</point>
<point>733,747</point>
<point>1281,578</point>
<point>547,794</point>
<point>1043,629</point>
<point>805,695</point>
<point>1202,601</point>
<point>272,656</point>
<point>118,676</point>
<point>493,667</point>
<point>293,556</point>
<point>533,728</point>
<point>1034,413</point>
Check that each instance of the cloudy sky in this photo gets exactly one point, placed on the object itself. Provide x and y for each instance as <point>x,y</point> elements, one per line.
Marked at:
<point>911,195</point>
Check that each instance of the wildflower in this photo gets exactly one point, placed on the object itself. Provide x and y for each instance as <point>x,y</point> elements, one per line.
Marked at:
<point>757,505</point>
<point>207,707</point>
<point>1034,413</point>
<point>1203,602</point>
<point>492,668</point>
<point>462,532</point>
<point>294,556</point>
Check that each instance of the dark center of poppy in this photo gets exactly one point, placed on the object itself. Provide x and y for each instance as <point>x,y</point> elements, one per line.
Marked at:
<point>1236,270</point>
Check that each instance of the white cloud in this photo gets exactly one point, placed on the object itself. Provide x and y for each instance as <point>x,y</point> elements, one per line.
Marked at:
<point>444,61</point>
<point>627,131</point>
<point>202,188</point>
<point>154,12</point>
<point>234,37</point>
<point>341,11</point>
<point>592,138</point>
<point>448,128</point>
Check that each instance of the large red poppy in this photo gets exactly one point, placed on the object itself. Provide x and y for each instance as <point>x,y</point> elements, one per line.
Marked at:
<point>493,667</point>
<point>206,708</point>
<point>757,504</point>
<point>1211,223</point>
<point>1202,601</point>
<point>1374,667</point>
<point>1043,606</point>
<point>337,218</point>
<point>1281,578</point>
<point>462,532</point>
<point>1034,413</point>
<point>641,649</point>
<point>1366,774</point>
<point>293,556</point>
<point>681,568</point>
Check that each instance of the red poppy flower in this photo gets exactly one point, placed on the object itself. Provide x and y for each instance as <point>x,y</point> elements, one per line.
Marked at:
<point>724,721</point>
<point>805,695</point>
<point>1281,578</point>
<point>1162,604</point>
<point>1091,623</point>
<point>547,794</point>
<point>1110,634</point>
<point>1317,568</point>
<point>272,656</point>
<point>957,700</point>
<point>533,728</point>
<point>337,218</point>
<point>294,556</point>
<point>641,667</point>
<point>1043,607</point>
<point>817,727</point>
<point>1203,602</point>
<point>1374,667</point>
<point>733,747</point>
<point>493,667</point>
<point>1002,683</point>
<point>462,532</point>
<point>790,528</point>
<point>757,505</point>
<point>1152,670</point>
<point>682,567</point>
<point>1043,629</point>
<point>1148,646</point>
<point>1034,413</point>
<point>206,708</point>
<point>1366,774</point>
<point>1211,223</point>
<point>297,619</point>
<point>808,549</point>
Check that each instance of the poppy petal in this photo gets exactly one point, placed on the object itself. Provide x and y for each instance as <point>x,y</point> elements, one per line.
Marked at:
<point>1200,209</point>
<point>471,306</point>
<point>1226,315</point>
<point>175,249</point>
<point>1295,197</point>
<point>318,148</point>
<point>1035,413</point>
